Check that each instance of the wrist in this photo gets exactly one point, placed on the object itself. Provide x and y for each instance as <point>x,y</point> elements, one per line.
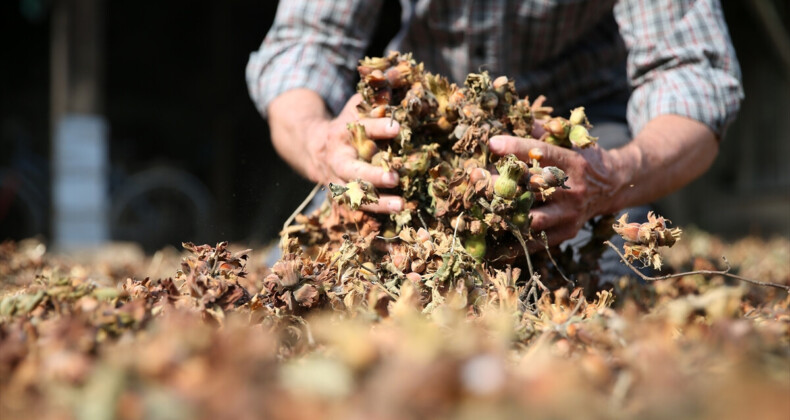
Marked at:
<point>295,120</point>
<point>626,162</point>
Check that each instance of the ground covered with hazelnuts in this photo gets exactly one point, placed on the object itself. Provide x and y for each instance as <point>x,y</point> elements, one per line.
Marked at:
<point>454,307</point>
<point>188,335</point>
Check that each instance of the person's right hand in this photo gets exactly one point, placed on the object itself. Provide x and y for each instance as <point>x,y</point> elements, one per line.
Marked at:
<point>332,158</point>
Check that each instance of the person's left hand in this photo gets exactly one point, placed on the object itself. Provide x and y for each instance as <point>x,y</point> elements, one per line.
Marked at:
<point>592,177</point>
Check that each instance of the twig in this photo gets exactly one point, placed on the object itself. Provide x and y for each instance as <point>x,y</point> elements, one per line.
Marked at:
<point>455,231</point>
<point>578,306</point>
<point>422,221</point>
<point>517,233</point>
<point>303,205</point>
<point>562,328</point>
<point>725,272</point>
<point>536,279</point>
<point>533,307</point>
<point>375,282</point>
<point>548,252</point>
<point>381,286</point>
<point>484,204</point>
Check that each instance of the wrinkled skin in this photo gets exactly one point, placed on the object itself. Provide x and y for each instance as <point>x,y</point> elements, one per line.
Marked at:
<point>335,160</point>
<point>668,153</point>
<point>319,147</point>
<point>591,177</point>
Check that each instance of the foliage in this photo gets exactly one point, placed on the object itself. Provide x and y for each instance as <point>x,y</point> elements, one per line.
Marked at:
<point>99,340</point>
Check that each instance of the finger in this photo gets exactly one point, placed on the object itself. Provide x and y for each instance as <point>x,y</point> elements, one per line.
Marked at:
<point>380,128</point>
<point>546,217</point>
<point>537,129</point>
<point>351,169</point>
<point>558,224</point>
<point>552,155</point>
<point>386,204</point>
<point>350,109</point>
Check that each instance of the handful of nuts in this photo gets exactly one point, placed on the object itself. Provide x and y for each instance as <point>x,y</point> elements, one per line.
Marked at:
<point>466,217</point>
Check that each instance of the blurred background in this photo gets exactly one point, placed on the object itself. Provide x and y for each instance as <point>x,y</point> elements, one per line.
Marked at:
<point>128,121</point>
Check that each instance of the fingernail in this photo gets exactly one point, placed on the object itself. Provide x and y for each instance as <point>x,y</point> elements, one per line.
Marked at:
<point>394,205</point>
<point>496,144</point>
<point>393,127</point>
<point>389,179</point>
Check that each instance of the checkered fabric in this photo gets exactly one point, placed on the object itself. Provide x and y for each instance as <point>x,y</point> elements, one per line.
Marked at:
<point>667,57</point>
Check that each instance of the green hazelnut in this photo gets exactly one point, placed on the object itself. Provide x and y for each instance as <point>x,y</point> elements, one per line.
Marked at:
<point>475,245</point>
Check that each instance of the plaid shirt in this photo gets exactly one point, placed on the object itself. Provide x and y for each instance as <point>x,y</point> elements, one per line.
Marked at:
<point>662,56</point>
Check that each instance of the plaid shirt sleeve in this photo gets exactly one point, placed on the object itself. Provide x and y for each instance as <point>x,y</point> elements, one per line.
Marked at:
<point>680,61</point>
<point>314,45</point>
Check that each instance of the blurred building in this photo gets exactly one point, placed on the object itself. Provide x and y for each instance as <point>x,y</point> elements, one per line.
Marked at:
<point>134,120</point>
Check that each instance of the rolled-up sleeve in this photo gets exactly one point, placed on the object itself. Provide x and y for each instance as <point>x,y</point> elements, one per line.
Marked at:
<point>680,61</point>
<point>313,45</point>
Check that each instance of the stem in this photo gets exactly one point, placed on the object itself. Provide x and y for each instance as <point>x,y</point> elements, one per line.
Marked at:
<point>725,272</point>
<point>455,231</point>
<point>301,207</point>
<point>548,252</point>
<point>517,233</point>
<point>422,221</point>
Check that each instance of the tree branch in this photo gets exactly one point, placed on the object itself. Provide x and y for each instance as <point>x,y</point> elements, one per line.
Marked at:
<point>725,272</point>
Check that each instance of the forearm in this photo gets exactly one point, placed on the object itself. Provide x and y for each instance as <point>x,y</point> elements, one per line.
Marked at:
<point>315,45</point>
<point>667,154</point>
<point>291,115</point>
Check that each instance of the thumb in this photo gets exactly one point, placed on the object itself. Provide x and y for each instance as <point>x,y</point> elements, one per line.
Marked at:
<point>349,112</point>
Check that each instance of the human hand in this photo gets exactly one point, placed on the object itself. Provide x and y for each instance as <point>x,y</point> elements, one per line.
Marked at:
<point>334,159</point>
<point>593,179</point>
